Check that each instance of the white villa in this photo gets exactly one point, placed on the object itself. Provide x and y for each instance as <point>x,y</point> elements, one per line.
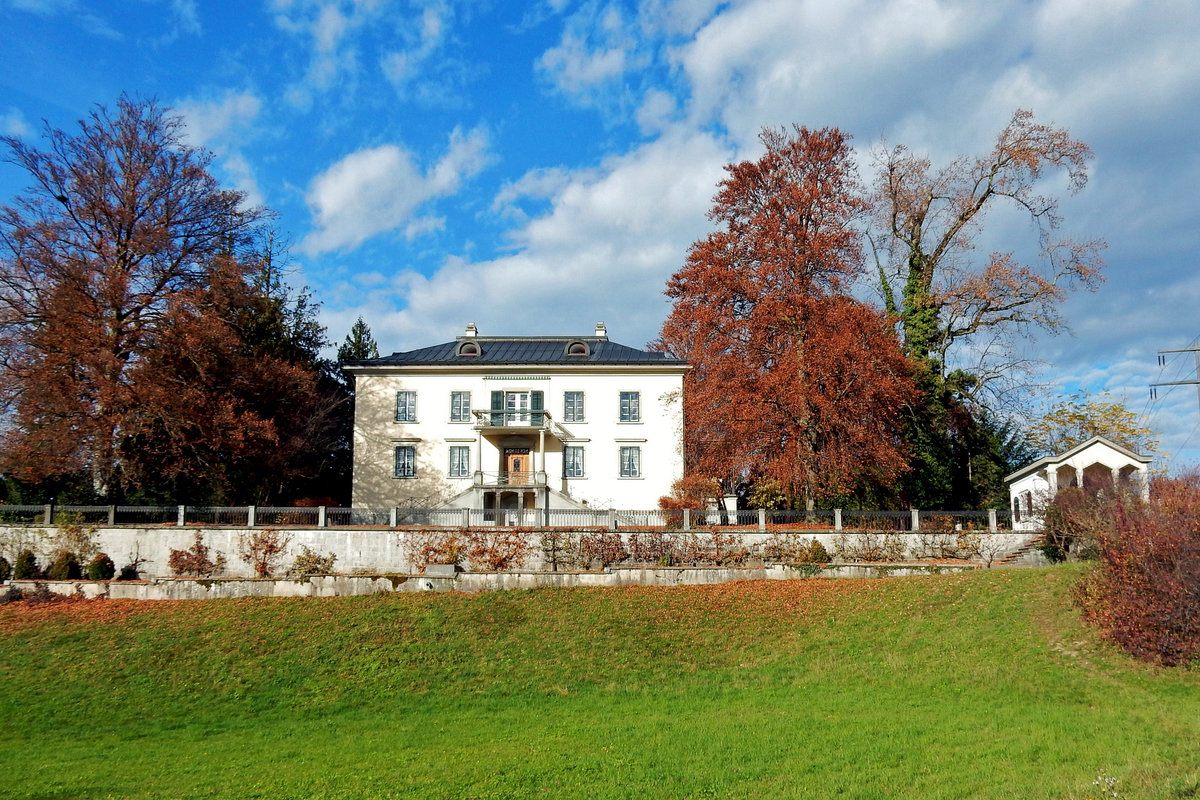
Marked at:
<point>516,424</point>
<point>1097,463</point>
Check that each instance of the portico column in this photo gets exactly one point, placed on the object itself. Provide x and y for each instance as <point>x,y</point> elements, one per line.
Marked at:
<point>1079,477</point>
<point>1052,480</point>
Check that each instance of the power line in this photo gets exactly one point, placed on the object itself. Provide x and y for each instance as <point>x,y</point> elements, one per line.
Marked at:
<point>1162,362</point>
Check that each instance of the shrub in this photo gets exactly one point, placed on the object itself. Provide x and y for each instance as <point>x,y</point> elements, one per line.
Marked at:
<point>651,547</point>
<point>785,548</point>
<point>869,547</point>
<point>66,567</point>
<point>195,560</point>
<point>815,553</point>
<point>602,547</point>
<point>1144,594</point>
<point>26,566</point>
<point>5,569</point>
<point>262,549</point>
<point>959,544</point>
<point>489,550</point>
<point>1074,522</point>
<point>493,551</point>
<point>559,549</point>
<point>436,547</point>
<point>129,572</point>
<point>101,568</point>
<point>782,548</point>
<point>310,562</point>
<point>72,536</point>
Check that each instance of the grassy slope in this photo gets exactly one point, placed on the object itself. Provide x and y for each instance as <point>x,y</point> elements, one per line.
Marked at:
<point>980,685</point>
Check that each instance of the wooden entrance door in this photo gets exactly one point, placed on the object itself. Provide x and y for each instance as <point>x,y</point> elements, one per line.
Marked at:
<point>517,464</point>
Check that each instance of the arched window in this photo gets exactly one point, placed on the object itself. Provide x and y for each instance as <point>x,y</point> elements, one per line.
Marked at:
<point>577,349</point>
<point>468,349</point>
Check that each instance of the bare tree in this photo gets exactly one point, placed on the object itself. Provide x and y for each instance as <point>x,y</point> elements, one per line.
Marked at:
<point>927,222</point>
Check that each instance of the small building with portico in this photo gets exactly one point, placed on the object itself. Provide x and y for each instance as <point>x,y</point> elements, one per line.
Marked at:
<point>1099,464</point>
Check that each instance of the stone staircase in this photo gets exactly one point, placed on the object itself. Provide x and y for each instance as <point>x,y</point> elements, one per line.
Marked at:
<point>1017,555</point>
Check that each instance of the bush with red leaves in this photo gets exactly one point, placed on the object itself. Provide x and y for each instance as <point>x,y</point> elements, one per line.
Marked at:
<point>1145,595</point>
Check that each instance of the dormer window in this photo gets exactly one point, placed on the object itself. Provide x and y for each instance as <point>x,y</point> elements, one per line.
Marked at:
<point>577,349</point>
<point>468,349</point>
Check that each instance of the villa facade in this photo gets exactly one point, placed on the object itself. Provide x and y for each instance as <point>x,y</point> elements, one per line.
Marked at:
<point>515,425</point>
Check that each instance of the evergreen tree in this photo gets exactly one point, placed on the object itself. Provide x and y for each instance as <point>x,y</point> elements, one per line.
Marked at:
<point>359,344</point>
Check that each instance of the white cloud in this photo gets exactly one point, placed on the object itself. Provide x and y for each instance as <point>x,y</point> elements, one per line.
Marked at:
<point>214,123</point>
<point>12,123</point>
<point>379,189</point>
<point>92,23</point>
<point>425,35</point>
<point>223,126</point>
<point>603,251</point>
<point>332,28</point>
<point>598,47</point>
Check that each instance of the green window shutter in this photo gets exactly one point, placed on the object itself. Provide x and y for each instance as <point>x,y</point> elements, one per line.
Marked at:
<point>537,417</point>
<point>497,409</point>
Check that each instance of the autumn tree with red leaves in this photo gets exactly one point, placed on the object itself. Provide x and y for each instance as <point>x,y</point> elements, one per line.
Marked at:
<point>127,288</point>
<point>791,378</point>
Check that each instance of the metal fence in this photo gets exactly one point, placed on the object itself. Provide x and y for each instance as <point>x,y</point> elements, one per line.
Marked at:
<point>332,517</point>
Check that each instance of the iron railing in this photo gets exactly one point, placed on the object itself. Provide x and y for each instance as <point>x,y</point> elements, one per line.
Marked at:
<point>332,517</point>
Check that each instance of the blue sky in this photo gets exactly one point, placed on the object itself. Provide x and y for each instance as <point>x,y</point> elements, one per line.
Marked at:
<point>536,167</point>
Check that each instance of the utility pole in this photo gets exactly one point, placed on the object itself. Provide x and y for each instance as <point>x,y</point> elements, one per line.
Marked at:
<point>1162,362</point>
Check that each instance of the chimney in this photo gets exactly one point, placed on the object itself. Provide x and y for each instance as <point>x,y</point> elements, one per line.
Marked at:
<point>472,331</point>
<point>601,331</point>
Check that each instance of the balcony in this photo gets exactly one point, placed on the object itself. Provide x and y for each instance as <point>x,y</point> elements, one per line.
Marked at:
<point>516,480</point>
<point>522,418</point>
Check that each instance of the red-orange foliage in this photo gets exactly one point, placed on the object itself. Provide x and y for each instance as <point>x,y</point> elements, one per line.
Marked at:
<point>1146,593</point>
<point>119,220</point>
<point>262,549</point>
<point>791,378</point>
<point>141,326</point>
<point>214,409</point>
<point>691,491</point>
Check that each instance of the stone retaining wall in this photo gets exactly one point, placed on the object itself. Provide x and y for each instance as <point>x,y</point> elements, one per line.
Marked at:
<point>349,585</point>
<point>377,551</point>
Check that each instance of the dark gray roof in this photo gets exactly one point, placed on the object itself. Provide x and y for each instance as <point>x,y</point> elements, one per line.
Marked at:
<point>522,351</point>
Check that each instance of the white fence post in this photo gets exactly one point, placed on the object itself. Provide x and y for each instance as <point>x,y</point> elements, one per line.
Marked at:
<point>112,516</point>
<point>393,517</point>
<point>837,519</point>
<point>916,520</point>
<point>181,516</point>
<point>612,519</point>
<point>687,519</point>
<point>47,513</point>
<point>466,523</point>
<point>992,526</point>
<point>762,519</point>
<point>251,516</point>
<point>322,518</point>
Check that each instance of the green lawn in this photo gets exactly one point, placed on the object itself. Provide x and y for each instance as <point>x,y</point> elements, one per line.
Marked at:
<point>973,685</point>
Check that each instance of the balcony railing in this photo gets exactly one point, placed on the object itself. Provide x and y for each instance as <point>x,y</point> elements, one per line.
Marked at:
<point>512,419</point>
<point>510,478</point>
